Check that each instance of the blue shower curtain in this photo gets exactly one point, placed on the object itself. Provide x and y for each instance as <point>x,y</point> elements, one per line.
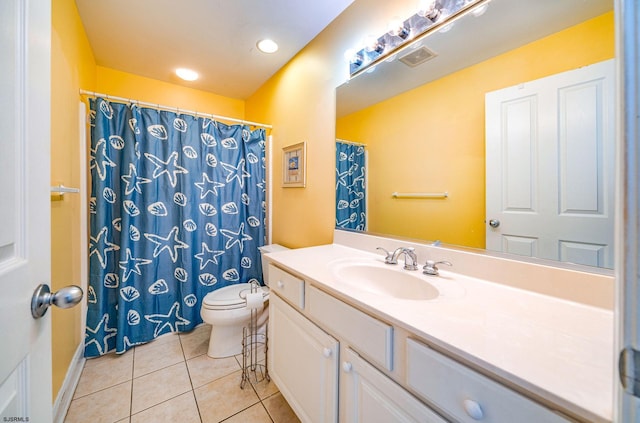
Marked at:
<point>350,186</point>
<point>177,210</point>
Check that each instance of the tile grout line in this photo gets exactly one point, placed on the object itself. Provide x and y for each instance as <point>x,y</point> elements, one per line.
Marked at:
<point>193,390</point>
<point>133,366</point>
<point>256,392</point>
<point>168,399</point>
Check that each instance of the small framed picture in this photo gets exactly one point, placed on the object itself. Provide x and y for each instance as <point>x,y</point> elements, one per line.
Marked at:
<point>294,158</point>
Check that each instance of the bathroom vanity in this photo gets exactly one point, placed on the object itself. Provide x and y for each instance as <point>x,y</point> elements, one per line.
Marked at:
<point>352,339</point>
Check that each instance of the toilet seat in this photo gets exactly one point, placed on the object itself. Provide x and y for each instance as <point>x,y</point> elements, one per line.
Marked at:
<point>228,298</point>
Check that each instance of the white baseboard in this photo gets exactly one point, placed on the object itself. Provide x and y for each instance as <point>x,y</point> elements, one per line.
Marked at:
<point>65,395</point>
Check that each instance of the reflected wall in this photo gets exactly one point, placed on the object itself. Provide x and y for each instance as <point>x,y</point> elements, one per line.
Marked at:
<point>431,139</point>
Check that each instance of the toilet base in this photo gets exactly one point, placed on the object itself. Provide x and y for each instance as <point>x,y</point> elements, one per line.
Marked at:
<point>225,341</point>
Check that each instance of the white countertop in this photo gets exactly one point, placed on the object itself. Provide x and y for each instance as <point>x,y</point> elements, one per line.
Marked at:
<point>555,349</point>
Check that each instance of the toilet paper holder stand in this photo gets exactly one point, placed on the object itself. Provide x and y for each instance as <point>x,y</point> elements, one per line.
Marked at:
<point>253,344</point>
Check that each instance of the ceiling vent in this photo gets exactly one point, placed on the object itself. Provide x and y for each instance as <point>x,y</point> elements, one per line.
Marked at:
<point>417,56</point>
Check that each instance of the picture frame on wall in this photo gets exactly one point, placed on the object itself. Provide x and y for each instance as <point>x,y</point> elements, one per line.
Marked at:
<point>294,160</point>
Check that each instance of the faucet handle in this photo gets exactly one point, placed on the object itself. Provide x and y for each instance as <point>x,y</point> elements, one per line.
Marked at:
<point>431,267</point>
<point>390,257</point>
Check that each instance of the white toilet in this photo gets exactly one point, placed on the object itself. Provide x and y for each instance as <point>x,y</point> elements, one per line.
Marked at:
<point>225,310</point>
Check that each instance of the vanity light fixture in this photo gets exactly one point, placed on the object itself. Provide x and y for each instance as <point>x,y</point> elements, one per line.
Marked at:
<point>431,16</point>
<point>429,9</point>
<point>397,28</point>
<point>187,74</point>
<point>267,46</point>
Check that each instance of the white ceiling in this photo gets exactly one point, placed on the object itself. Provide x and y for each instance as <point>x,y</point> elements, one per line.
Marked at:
<point>216,38</point>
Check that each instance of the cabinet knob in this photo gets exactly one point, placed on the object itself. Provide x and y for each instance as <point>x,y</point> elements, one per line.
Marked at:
<point>280,284</point>
<point>346,366</point>
<point>327,352</point>
<point>473,409</point>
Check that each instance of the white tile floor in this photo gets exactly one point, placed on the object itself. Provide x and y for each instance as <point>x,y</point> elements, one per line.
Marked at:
<point>172,379</point>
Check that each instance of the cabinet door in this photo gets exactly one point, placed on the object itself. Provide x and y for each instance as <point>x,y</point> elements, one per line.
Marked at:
<point>368,396</point>
<point>303,363</point>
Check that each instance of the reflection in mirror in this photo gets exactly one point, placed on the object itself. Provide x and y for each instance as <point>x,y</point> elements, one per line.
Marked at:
<point>351,185</point>
<point>428,129</point>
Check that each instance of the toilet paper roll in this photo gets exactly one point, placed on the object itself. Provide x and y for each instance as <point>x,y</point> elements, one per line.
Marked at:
<point>255,300</point>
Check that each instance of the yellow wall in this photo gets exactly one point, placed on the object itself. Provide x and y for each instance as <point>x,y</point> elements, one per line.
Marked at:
<point>437,143</point>
<point>72,67</point>
<point>123,84</point>
<point>299,101</point>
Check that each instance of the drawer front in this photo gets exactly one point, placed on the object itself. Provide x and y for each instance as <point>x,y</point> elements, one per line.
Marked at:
<point>466,395</point>
<point>286,286</point>
<point>367,335</point>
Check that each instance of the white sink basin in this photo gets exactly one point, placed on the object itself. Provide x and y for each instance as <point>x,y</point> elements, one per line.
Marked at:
<point>383,279</point>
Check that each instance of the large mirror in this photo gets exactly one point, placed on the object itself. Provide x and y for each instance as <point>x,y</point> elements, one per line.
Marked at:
<point>457,148</point>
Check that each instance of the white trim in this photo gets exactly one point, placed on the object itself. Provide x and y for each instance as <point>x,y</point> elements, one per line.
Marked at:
<point>269,189</point>
<point>84,212</point>
<point>627,15</point>
<point>68,388</point>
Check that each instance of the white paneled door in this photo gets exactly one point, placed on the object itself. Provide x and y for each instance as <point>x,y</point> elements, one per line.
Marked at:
<point>550,150</point>
<point>25,343</point>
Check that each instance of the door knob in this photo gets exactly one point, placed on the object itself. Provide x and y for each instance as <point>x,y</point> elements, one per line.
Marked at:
<point>64,298</point>
<point>494,223</point>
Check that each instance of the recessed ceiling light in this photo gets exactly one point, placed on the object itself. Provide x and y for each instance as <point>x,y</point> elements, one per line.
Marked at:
<point>267,46</point>
<point>187,74</point>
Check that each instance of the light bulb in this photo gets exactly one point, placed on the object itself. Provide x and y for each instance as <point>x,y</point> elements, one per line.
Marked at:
<point>187,74</point>
<point>373,44</point>
<point>397,28</point>
<point>267,46</point>
<point>427,9</point>
<point>348,54</point>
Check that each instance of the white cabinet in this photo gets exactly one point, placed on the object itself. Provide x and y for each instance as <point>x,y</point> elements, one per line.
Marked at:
<point>368,396</point>
<point>467,395</point>
<point>303,363</point>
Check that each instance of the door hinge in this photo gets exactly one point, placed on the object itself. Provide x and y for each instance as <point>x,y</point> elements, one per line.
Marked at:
<point>629,370</point>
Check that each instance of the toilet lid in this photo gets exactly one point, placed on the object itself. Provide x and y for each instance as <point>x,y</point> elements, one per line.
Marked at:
<point>229,296</point>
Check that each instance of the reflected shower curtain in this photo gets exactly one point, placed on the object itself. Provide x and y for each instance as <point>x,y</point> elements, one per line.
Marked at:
<point>350,186</point>
<point>177,210</point>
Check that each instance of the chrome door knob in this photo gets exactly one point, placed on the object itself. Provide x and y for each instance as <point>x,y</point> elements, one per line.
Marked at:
<point>64,298</point>
<point>494,223</point>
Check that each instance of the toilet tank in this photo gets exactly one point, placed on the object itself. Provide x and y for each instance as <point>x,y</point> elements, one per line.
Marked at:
<point>265,249</point>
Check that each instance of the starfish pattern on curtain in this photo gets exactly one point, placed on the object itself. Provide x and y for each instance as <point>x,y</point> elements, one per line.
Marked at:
<point>351,185</point>
<point>177,210</point>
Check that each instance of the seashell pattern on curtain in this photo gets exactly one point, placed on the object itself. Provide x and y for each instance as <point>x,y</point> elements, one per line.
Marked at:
<point>177,210</point>
<point>351,186</point>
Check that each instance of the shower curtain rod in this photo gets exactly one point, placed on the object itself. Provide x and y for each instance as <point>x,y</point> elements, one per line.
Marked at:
<point>359,144</point>
<point>173,109</point>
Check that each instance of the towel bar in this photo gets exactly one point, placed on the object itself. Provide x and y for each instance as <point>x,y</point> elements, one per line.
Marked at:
<point>420,194</point>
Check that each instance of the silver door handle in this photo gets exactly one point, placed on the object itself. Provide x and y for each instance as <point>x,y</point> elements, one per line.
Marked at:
<point>64,298</point>
<point>494,223</point>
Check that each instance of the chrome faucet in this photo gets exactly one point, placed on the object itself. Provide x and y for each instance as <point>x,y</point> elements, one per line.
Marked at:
<point>431,267</point>
<point>410,259</point>
<point>391,257</point>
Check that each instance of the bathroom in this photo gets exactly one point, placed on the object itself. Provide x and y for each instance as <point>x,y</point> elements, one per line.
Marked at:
<point>296,115</point>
